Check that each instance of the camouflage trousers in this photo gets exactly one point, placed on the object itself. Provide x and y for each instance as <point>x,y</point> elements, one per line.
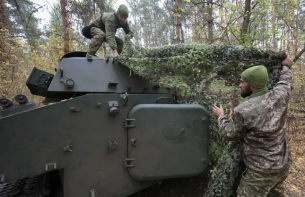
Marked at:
<point>253,184</point>
<point>98,37</point>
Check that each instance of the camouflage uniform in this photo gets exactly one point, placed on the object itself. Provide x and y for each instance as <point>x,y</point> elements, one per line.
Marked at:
<point>103,30</point>
<point>260,123</point>
<point>254,184</point>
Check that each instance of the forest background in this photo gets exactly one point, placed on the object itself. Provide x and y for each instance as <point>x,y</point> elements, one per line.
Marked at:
<point>26,41</point>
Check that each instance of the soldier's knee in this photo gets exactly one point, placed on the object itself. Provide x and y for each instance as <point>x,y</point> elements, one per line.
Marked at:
<point>97,33</point>
<point>99,36</point>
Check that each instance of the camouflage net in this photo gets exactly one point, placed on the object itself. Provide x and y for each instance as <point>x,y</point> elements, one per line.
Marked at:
<point>183,68</point>
<point>227,173</point>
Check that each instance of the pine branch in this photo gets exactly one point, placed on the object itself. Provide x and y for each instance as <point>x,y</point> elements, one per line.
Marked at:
<point>29,18</point>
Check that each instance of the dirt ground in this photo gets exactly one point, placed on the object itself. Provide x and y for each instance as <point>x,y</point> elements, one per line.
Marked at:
<point>295,184</point>
<point>196,186</point>
<point>180,187</point>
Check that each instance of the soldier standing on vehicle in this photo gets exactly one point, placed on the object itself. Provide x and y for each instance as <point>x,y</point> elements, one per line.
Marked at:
<point>260,123</point>
<point>103,29</point>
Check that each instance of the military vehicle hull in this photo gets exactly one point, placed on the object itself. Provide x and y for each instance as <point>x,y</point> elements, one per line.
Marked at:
<point>103,143</point>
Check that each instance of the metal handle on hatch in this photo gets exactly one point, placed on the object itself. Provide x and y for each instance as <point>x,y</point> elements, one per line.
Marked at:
<point>163,98</point>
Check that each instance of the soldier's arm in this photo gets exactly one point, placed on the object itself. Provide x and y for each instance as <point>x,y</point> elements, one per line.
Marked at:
<point>127,30</point>
<point>110,33</point>
<point>284,85</point>
<point>232,129</point>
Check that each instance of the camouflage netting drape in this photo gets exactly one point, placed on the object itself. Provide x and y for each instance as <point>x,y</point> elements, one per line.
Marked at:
<point>182,68</point>
<point>227,173</point>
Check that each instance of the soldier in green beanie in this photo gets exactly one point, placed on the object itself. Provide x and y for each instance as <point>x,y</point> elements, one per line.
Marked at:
<point>103,29</point>
<point>257,77</point>
<point>260,124</point>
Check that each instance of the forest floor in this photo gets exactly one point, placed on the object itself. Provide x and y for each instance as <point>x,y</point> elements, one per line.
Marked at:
<point>196,186</point>
<point>295,184</point>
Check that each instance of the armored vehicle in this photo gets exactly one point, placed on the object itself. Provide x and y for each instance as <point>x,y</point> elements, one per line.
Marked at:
<point>104,132</point>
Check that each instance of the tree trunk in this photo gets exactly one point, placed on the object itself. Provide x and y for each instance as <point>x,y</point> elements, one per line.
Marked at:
<point>222,17</point>
<point>245,26</point>
<point>23,21</point>
<point>2,15</point>
<point>193,27</point>
<point>294,27</point>
<point>237,19</point>
<point>182,35</point>
<point>178,22</point>
<point>3,57</point>
<point>146,30</point>
<point>275,45</point>
<point>65,26</point>
<point>210,21</point>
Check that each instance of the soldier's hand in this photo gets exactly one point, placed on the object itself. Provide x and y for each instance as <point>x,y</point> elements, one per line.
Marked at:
<point>115,54</point>
<point>286,63</point>
<point>218,111</point>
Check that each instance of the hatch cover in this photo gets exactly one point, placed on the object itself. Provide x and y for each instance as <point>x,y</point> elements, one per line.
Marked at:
<point>167,140</point>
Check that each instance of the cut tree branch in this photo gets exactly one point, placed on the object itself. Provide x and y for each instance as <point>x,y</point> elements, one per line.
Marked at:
<point>297,57</point>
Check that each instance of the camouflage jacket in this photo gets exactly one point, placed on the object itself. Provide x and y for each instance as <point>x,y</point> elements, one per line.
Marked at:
<point>109,23</point>
<point>260,123</point>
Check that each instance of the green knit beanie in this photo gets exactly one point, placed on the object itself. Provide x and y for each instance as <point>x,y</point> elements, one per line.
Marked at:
<point>256,76</point>
<point>123,11</point>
